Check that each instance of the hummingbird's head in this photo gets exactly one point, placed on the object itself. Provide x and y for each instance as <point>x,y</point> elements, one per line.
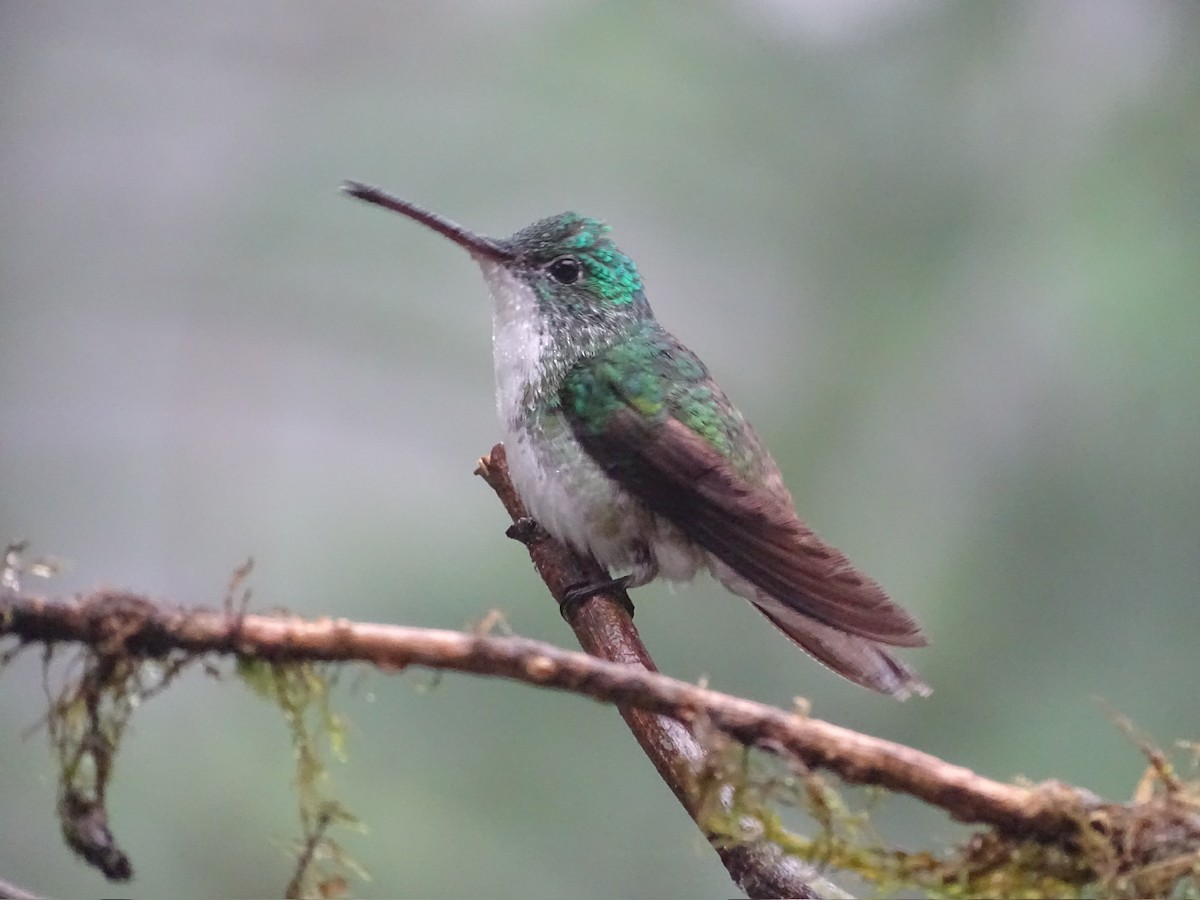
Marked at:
<point>571,264</point>
<point>567,262</point>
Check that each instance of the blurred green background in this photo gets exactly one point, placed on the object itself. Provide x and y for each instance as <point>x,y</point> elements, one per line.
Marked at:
<point>945,256</point>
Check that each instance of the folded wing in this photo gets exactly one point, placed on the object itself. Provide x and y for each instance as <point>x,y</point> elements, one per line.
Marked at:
<point>641,441</point>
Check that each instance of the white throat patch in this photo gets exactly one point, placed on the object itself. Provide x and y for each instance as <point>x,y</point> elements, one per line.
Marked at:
<point>517,338</point>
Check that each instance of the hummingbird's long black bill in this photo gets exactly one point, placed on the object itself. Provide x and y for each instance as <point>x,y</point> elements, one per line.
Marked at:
<point>475,244</point>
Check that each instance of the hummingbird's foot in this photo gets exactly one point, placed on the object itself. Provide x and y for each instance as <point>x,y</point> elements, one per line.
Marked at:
<point>525,530</point>
<point>576,595</point>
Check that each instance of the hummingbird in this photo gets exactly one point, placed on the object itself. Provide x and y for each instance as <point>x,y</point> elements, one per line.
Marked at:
<point>623,446</point>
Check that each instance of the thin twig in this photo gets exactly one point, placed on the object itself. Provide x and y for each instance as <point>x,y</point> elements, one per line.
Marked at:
<point>604,628</point>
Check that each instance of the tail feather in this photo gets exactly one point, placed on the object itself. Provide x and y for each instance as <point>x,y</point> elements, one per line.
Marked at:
<point>859,659</point>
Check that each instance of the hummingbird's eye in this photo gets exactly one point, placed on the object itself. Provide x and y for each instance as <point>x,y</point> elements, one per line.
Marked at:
<point>565,270</point>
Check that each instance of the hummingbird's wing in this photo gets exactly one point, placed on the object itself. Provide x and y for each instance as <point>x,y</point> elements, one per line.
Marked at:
<point>713,480</point>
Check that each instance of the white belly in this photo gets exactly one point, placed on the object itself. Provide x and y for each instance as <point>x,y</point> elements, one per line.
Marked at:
<point>576,502</point>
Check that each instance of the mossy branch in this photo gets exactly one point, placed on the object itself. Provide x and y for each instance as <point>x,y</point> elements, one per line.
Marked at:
<point>1051,812</point>
<point>684,729</point>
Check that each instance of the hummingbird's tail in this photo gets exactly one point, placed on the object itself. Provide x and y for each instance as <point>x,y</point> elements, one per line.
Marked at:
<point>859,659</point>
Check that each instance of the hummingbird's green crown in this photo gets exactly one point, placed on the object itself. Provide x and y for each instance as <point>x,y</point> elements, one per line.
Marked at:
<point>575,251</point>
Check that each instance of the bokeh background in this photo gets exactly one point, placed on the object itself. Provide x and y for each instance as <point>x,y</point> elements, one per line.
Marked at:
<point>945,256</point>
